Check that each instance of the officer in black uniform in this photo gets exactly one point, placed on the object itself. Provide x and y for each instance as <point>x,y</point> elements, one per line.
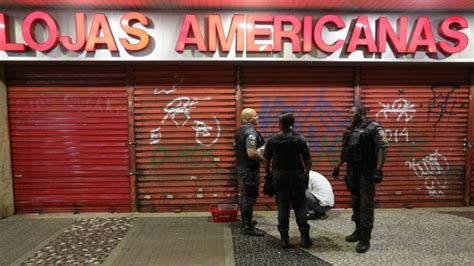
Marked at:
<point>247,141</point>
<point>288,155</point>
<point>364,150</point>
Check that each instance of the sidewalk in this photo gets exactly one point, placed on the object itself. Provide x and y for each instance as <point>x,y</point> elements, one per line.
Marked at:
<point>401,236</point>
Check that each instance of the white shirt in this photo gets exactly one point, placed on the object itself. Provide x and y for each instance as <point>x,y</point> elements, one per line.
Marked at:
<point>320,187</point>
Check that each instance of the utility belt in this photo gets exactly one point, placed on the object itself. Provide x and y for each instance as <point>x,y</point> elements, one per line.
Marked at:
<point>250,165</point>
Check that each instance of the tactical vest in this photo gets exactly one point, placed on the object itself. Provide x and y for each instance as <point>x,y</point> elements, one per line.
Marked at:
<point>358,145</point>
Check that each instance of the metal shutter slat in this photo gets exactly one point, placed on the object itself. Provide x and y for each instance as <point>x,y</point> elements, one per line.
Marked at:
<point>68,128</point>
<point>176,172</point>
<point>320,98</point>
<point>424,112</point>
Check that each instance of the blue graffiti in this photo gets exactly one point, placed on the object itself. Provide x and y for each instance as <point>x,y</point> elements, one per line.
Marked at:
<point>315,112</point>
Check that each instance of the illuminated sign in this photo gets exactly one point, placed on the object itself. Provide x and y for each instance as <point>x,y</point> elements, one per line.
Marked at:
<point>306,34</point>
<point>232,35</point>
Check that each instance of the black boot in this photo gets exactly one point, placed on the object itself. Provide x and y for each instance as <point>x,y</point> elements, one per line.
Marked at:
<point>249,228</point>
<point>253,223</point>
<point>285,239</point>
<point>364,243</point>
<point>305,239</point>
<point>355,236</point>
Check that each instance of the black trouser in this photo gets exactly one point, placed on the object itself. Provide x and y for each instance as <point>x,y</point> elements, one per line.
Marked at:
<point>249,180</point>
<point>290,189</point>
<point>312,204</point>
<point>360,183</point>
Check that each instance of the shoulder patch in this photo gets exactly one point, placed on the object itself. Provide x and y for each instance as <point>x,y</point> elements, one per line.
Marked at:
<point>373,125</point>
<point>252,137</point>
<point>381,133</point>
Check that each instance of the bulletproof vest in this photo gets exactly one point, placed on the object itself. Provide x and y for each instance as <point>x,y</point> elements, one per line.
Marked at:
<point>287,149</point>
<point>358,146</point>
<point>243,160</point>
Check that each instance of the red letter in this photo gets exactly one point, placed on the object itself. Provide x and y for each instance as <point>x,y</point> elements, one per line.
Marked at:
<point>397,42</point>
<point>126,23</point>
<point>318,33</point>
<point>80,34</point>
<point>216,31</point>
<point>422,29</point>
<point>459,38</point>
<point>29,27</point>
<point>5,44</point>
<point>279,33</point>
<point>190,24</point>
<point>362,26</point>
<point>100,23</point>
<point>252,20</point>
<point>307,27</point>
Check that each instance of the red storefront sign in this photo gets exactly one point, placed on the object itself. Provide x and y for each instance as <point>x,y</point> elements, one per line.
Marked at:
<point>305,34</point>
<point>90,42</point>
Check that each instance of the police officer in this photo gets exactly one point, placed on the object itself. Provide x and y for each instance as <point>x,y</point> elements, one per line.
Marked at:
<point>288,155</point>
<point>247,141</point>
<point>364,150</point>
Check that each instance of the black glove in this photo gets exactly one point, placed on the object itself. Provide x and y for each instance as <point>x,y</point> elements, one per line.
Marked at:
<point>378,176</point>
<point>335,172</point>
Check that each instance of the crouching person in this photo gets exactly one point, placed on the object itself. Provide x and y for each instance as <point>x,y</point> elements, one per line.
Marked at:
<point>319,196</point>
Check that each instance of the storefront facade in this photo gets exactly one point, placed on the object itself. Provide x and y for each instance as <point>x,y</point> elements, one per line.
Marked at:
<point>117,111</point>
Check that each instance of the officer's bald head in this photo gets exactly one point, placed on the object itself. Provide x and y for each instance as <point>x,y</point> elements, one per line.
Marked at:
<point>249,115</point>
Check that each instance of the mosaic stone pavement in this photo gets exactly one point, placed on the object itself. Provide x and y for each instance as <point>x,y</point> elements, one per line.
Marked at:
<point>266,250</point>
<point>86,241</point>
<point>400,237</point>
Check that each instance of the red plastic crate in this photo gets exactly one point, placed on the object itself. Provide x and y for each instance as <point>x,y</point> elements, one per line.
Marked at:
<point>224,212</point>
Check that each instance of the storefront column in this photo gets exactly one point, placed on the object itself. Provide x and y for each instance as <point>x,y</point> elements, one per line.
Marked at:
<point>469,144</point>
<point>6,186</point>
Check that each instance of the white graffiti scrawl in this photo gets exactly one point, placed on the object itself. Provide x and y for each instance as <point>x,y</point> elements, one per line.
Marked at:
<point>179,109</point>
<point>432,168</point>
<point>401,106</point>
<point>181,105</point>
<point>203,130</point>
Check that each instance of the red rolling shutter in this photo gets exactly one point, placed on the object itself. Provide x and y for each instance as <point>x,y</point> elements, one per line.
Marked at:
<point>184,126</point>
<point>68,130</point>
<point>424,112</point>
<point>320,98</point>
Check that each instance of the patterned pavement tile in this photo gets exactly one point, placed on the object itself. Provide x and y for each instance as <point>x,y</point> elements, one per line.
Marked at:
<point>86,241</point>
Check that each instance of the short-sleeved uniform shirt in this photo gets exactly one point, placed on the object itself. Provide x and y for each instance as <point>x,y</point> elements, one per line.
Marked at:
<point>247,137</point>
<point>288,151</point>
